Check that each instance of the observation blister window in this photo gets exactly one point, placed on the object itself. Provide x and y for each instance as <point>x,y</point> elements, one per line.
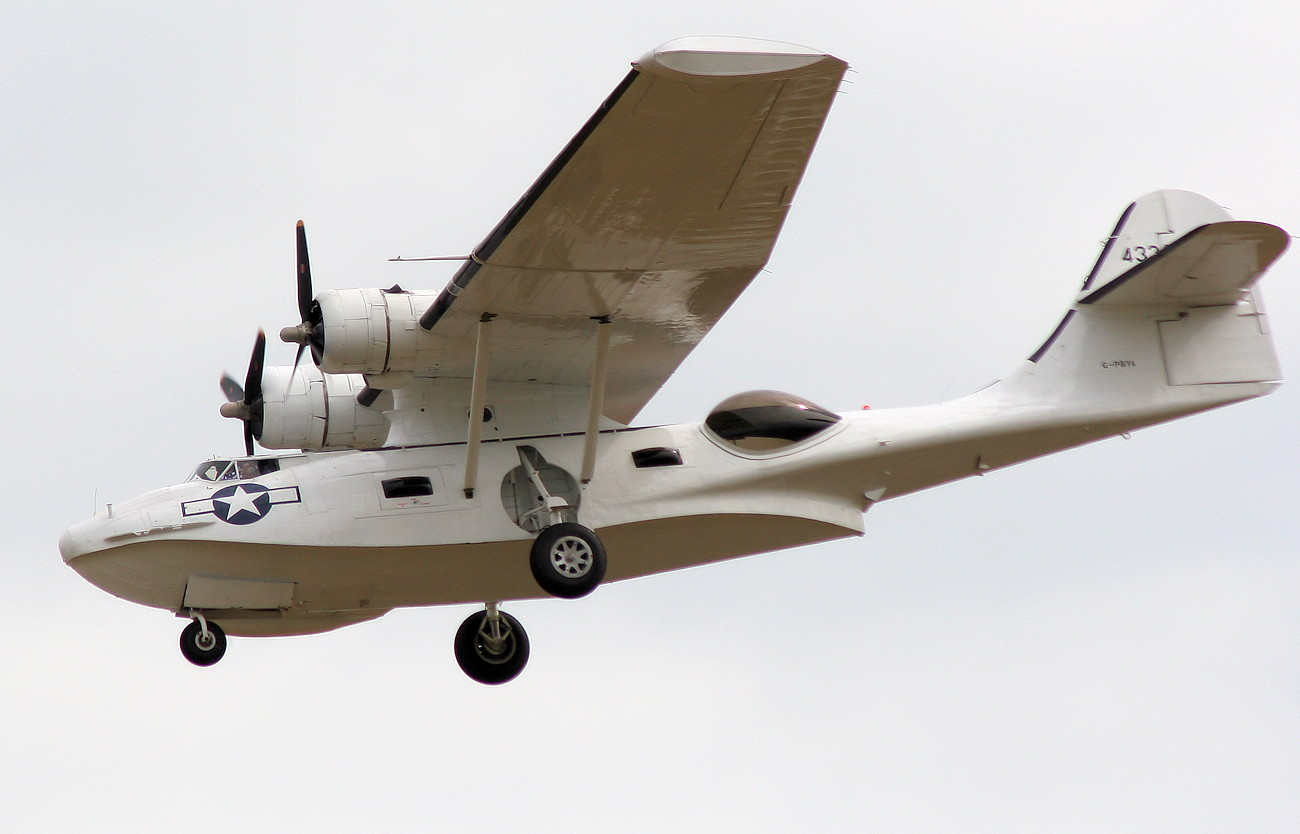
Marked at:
<point>766,421</point>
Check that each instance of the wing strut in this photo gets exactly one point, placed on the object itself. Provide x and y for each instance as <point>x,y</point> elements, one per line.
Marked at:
<point>596,400</point>
<point>477,398</point>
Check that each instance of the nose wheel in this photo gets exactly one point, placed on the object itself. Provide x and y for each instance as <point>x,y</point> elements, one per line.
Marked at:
<point>568,560</point>
<point>202,642</point>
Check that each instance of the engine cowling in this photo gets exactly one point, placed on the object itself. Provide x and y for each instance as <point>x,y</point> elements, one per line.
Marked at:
<point>305,409</point>
<point>374,332</point>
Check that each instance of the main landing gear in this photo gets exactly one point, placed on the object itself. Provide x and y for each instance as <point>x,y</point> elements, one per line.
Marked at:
<point>202,642</point>
<point>568,560</point>
<point>491,646</point>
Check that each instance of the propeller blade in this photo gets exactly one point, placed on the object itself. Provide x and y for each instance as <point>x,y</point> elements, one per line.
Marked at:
<point>245,404</point>
<point>311,329</point>
<point>253,382</point>
<point>233,391</point>
<point>297,357</point>
<point>305,295</point>
<point>368,396</point>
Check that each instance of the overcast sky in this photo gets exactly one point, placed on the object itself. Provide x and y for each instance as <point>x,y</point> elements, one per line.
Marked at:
<point>1105,640</point>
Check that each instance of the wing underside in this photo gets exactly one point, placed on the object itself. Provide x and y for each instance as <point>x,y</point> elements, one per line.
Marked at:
<point>654,218</point>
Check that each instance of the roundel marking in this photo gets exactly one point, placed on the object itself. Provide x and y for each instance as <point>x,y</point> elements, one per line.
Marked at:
<point>241,503</point>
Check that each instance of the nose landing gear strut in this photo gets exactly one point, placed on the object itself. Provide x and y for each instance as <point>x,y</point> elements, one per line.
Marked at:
<point>203,643</point>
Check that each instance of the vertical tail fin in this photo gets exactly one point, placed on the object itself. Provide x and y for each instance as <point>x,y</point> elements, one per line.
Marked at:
<point>1168,322</point>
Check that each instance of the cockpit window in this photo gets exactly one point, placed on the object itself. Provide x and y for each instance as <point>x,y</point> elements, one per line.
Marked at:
<point>239,470</point>
<point>764,421</point>
<point>211,470</point>
<point>249,469</point>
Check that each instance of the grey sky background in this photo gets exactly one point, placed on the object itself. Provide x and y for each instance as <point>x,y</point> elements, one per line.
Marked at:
<point>1105,640</point>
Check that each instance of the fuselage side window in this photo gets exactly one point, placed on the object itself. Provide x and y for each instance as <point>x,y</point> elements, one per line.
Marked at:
<point>409,487</point>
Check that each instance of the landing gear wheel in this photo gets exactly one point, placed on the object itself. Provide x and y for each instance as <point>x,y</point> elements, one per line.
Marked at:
<point>491,653</point>
<point>568,560</point>
<point>203,649</point>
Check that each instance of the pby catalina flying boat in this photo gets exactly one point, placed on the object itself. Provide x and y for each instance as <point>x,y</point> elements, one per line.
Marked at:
<point>475,445</point>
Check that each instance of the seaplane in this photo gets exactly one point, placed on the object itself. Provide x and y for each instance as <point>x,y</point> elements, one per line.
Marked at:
<point>478,444</point>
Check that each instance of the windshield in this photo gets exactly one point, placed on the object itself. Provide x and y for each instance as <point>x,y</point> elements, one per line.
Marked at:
<point>234,470</point>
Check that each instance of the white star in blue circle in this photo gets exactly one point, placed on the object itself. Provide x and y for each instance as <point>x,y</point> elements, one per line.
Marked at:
<point>241,503</point>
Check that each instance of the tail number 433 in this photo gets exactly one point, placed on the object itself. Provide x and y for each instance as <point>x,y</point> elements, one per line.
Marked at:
<point>1140,253</point>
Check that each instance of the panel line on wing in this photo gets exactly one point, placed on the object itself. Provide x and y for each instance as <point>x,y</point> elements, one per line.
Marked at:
<point>753,143</point>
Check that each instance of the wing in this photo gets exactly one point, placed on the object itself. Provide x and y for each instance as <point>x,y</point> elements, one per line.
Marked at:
<point>655,217</point>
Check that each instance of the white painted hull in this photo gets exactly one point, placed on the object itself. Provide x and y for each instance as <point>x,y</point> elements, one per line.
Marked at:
<point>342,555</point>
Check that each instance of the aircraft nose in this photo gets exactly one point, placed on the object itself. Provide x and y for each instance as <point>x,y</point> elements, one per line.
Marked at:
<point>80,539</point>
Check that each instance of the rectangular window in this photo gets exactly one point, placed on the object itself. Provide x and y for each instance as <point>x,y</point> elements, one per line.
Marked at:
<point>409,487</point>
<point>651,458</point>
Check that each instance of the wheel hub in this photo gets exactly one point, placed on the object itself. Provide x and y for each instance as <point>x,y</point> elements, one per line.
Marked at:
<point>571,556</point>
<point>496,647</point>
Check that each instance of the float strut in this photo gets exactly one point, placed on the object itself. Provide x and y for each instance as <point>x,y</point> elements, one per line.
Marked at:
<point>596,401</point>
<point>477,397</point>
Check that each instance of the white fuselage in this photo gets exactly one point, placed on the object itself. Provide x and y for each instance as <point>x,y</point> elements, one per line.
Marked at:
<point>350,552</point>
<point>319,545</point>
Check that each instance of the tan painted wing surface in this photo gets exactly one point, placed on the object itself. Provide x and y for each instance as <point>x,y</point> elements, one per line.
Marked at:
<point>656,215</point>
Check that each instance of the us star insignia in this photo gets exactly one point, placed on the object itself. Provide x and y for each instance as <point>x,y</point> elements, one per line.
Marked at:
<point>243,503</point>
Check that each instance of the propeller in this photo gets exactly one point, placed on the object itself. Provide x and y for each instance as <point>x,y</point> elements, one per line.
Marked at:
<point>245,402</point>
<point>310,331</point>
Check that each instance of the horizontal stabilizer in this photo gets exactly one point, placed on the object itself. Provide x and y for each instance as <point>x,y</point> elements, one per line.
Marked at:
<point>1209,266</point>
<point>1148,226</point>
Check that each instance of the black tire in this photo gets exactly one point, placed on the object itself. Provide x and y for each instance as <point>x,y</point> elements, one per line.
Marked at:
<point>480,662</point>
<point>568,560</point>
<point>192,645</point>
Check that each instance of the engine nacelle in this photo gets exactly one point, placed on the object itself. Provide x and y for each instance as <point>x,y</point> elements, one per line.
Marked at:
<point>373,332</point>
<point>305,409</point>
